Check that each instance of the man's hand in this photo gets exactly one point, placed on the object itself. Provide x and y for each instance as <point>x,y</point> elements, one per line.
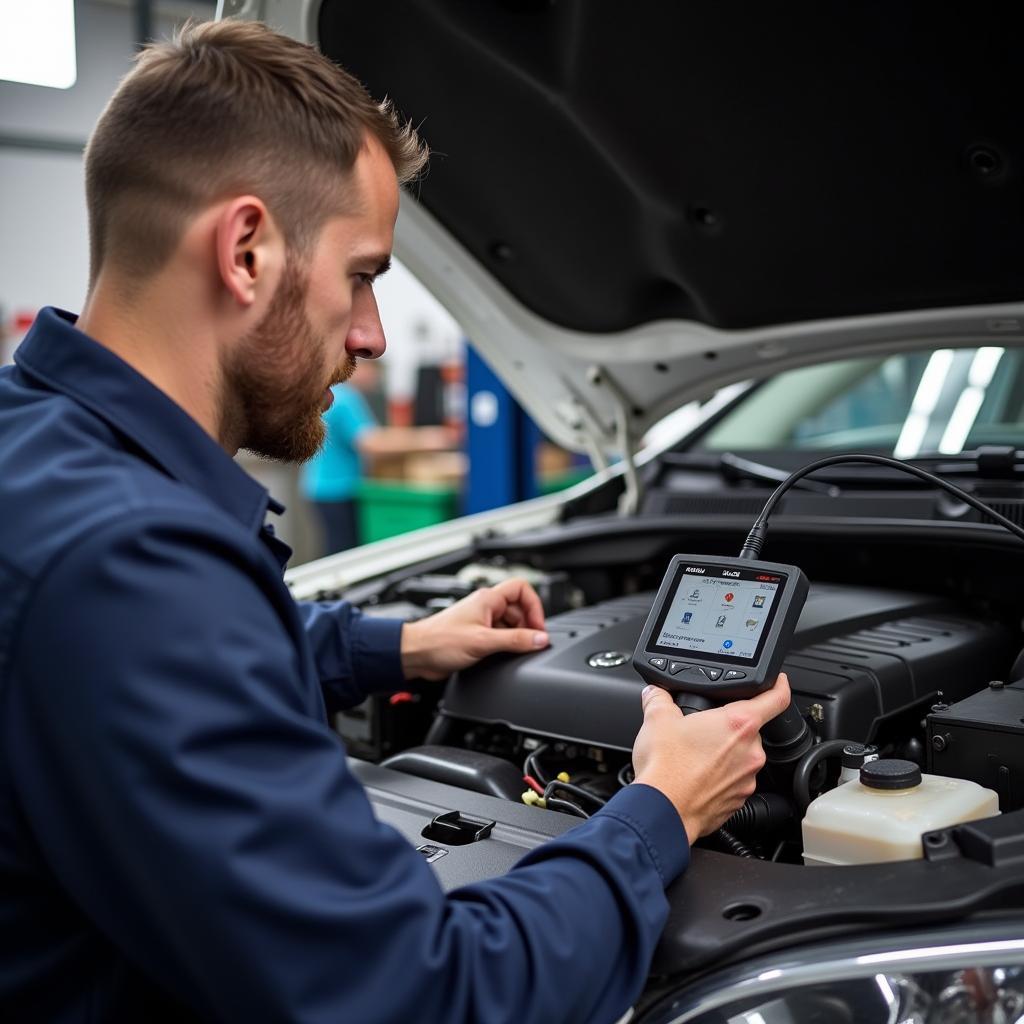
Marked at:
<point>508,617</point>
<point>704,763</point>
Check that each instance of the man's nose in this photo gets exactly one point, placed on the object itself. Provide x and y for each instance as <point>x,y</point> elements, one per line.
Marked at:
<point>365,335</point>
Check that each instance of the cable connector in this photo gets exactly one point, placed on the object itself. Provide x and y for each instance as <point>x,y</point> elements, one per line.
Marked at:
<point>755,541</point>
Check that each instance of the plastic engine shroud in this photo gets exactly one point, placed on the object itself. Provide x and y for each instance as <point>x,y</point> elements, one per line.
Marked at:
<point>859,653</point>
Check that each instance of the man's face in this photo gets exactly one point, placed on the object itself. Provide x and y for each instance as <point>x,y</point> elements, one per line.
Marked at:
<point>322,317</point>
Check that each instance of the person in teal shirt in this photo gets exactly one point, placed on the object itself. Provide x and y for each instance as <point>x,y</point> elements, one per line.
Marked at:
<point>330,480</point>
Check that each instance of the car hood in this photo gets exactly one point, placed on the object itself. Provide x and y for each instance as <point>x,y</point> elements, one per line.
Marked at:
<point>629,206</point>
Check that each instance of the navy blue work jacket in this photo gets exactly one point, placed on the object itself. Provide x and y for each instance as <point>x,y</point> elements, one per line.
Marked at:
<point>180,838</point>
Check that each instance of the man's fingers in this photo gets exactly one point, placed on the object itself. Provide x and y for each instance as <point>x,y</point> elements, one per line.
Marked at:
<point>773,702</point>
<point>518,592</point>
<point>513,640</point>
<point>657,701</point>
<point>512,617</point>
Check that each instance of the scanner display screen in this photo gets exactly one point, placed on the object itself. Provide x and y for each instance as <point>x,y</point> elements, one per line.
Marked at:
<point>717,612</point>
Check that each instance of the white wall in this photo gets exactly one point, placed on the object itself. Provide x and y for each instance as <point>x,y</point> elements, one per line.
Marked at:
<point>43,248</point>
<point>105,36</point>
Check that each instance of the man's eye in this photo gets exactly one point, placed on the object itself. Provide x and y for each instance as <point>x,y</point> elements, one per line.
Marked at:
<point>366,278</point>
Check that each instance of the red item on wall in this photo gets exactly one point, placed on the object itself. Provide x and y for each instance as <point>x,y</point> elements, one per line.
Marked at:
<point>23,321</point>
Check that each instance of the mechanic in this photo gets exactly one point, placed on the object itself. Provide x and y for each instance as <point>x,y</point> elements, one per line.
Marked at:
<point>180,837</point>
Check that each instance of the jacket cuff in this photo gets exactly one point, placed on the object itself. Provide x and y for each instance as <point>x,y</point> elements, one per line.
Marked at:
<point>653,817</point>
<point>377,654</point>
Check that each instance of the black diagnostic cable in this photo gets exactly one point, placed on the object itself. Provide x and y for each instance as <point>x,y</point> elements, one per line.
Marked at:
<point>755,539</point>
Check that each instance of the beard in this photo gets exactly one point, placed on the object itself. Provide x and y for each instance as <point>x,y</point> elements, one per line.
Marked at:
<point>274,380</point>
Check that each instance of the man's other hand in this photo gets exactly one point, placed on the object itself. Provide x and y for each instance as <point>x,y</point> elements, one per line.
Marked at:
<point>507,617</point>
<point>704,763</point>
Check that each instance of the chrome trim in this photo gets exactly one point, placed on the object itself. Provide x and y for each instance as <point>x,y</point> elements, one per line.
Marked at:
<point>839,962</point>
<point>607,659</point>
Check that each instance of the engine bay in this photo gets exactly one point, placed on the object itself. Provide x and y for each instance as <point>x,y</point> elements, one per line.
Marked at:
<point>873,662</point>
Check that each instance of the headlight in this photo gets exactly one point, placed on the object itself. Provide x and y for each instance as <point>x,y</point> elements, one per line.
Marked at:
<point>956,982</point>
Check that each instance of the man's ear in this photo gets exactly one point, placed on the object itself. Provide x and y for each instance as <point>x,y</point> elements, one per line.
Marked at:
<point>250,250</point>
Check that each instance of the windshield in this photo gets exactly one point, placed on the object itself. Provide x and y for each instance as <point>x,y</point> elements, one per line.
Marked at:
<point>946,400</point>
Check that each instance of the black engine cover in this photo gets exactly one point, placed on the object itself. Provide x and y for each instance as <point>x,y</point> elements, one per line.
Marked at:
<point>861,654</point>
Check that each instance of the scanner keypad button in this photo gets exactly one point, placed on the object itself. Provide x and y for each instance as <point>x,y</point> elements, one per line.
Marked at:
<point>694,675</point>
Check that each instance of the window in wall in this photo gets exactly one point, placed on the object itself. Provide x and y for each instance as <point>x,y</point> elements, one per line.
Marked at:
<point>37,42</point>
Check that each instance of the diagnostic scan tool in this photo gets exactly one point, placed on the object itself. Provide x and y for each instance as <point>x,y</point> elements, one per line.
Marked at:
<point>720,627</point>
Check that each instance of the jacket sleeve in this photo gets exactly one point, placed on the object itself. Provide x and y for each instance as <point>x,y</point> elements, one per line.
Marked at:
<point>354,655</point>
<point>167,752</point>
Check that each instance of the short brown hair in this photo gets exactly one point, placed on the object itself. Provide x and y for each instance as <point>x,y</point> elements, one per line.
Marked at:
<point>227,108</point>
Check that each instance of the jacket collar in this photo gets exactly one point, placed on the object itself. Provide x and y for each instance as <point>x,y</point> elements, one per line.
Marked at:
<point>66,360</point>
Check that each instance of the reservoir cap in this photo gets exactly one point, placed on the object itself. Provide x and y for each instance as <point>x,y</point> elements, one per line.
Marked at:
<point>890,773</point>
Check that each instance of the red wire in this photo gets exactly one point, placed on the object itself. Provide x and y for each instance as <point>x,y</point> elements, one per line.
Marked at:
<point>534,784</point>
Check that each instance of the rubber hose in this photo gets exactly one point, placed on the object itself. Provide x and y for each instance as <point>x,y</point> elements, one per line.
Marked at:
<point>804,770</point>
<point>763,812</point>
<point>732,844</point>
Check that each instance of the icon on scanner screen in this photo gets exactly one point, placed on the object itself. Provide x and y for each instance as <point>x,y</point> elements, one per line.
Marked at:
<point>695,596</point>
<point>720,622</point>
<point>759,601</point>
<point>727,644</point>
<point>687,616</point>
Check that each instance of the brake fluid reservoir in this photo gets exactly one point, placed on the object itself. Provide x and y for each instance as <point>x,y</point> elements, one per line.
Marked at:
<point>883,815</point>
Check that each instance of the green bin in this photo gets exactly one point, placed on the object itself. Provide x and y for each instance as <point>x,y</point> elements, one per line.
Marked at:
<point>390,507</point>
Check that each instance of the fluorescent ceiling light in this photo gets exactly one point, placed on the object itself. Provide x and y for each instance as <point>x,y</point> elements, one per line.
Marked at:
<point>983,368</point>
<point>37,42</point>
<point>960,423</point>
<point>928,391</point>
